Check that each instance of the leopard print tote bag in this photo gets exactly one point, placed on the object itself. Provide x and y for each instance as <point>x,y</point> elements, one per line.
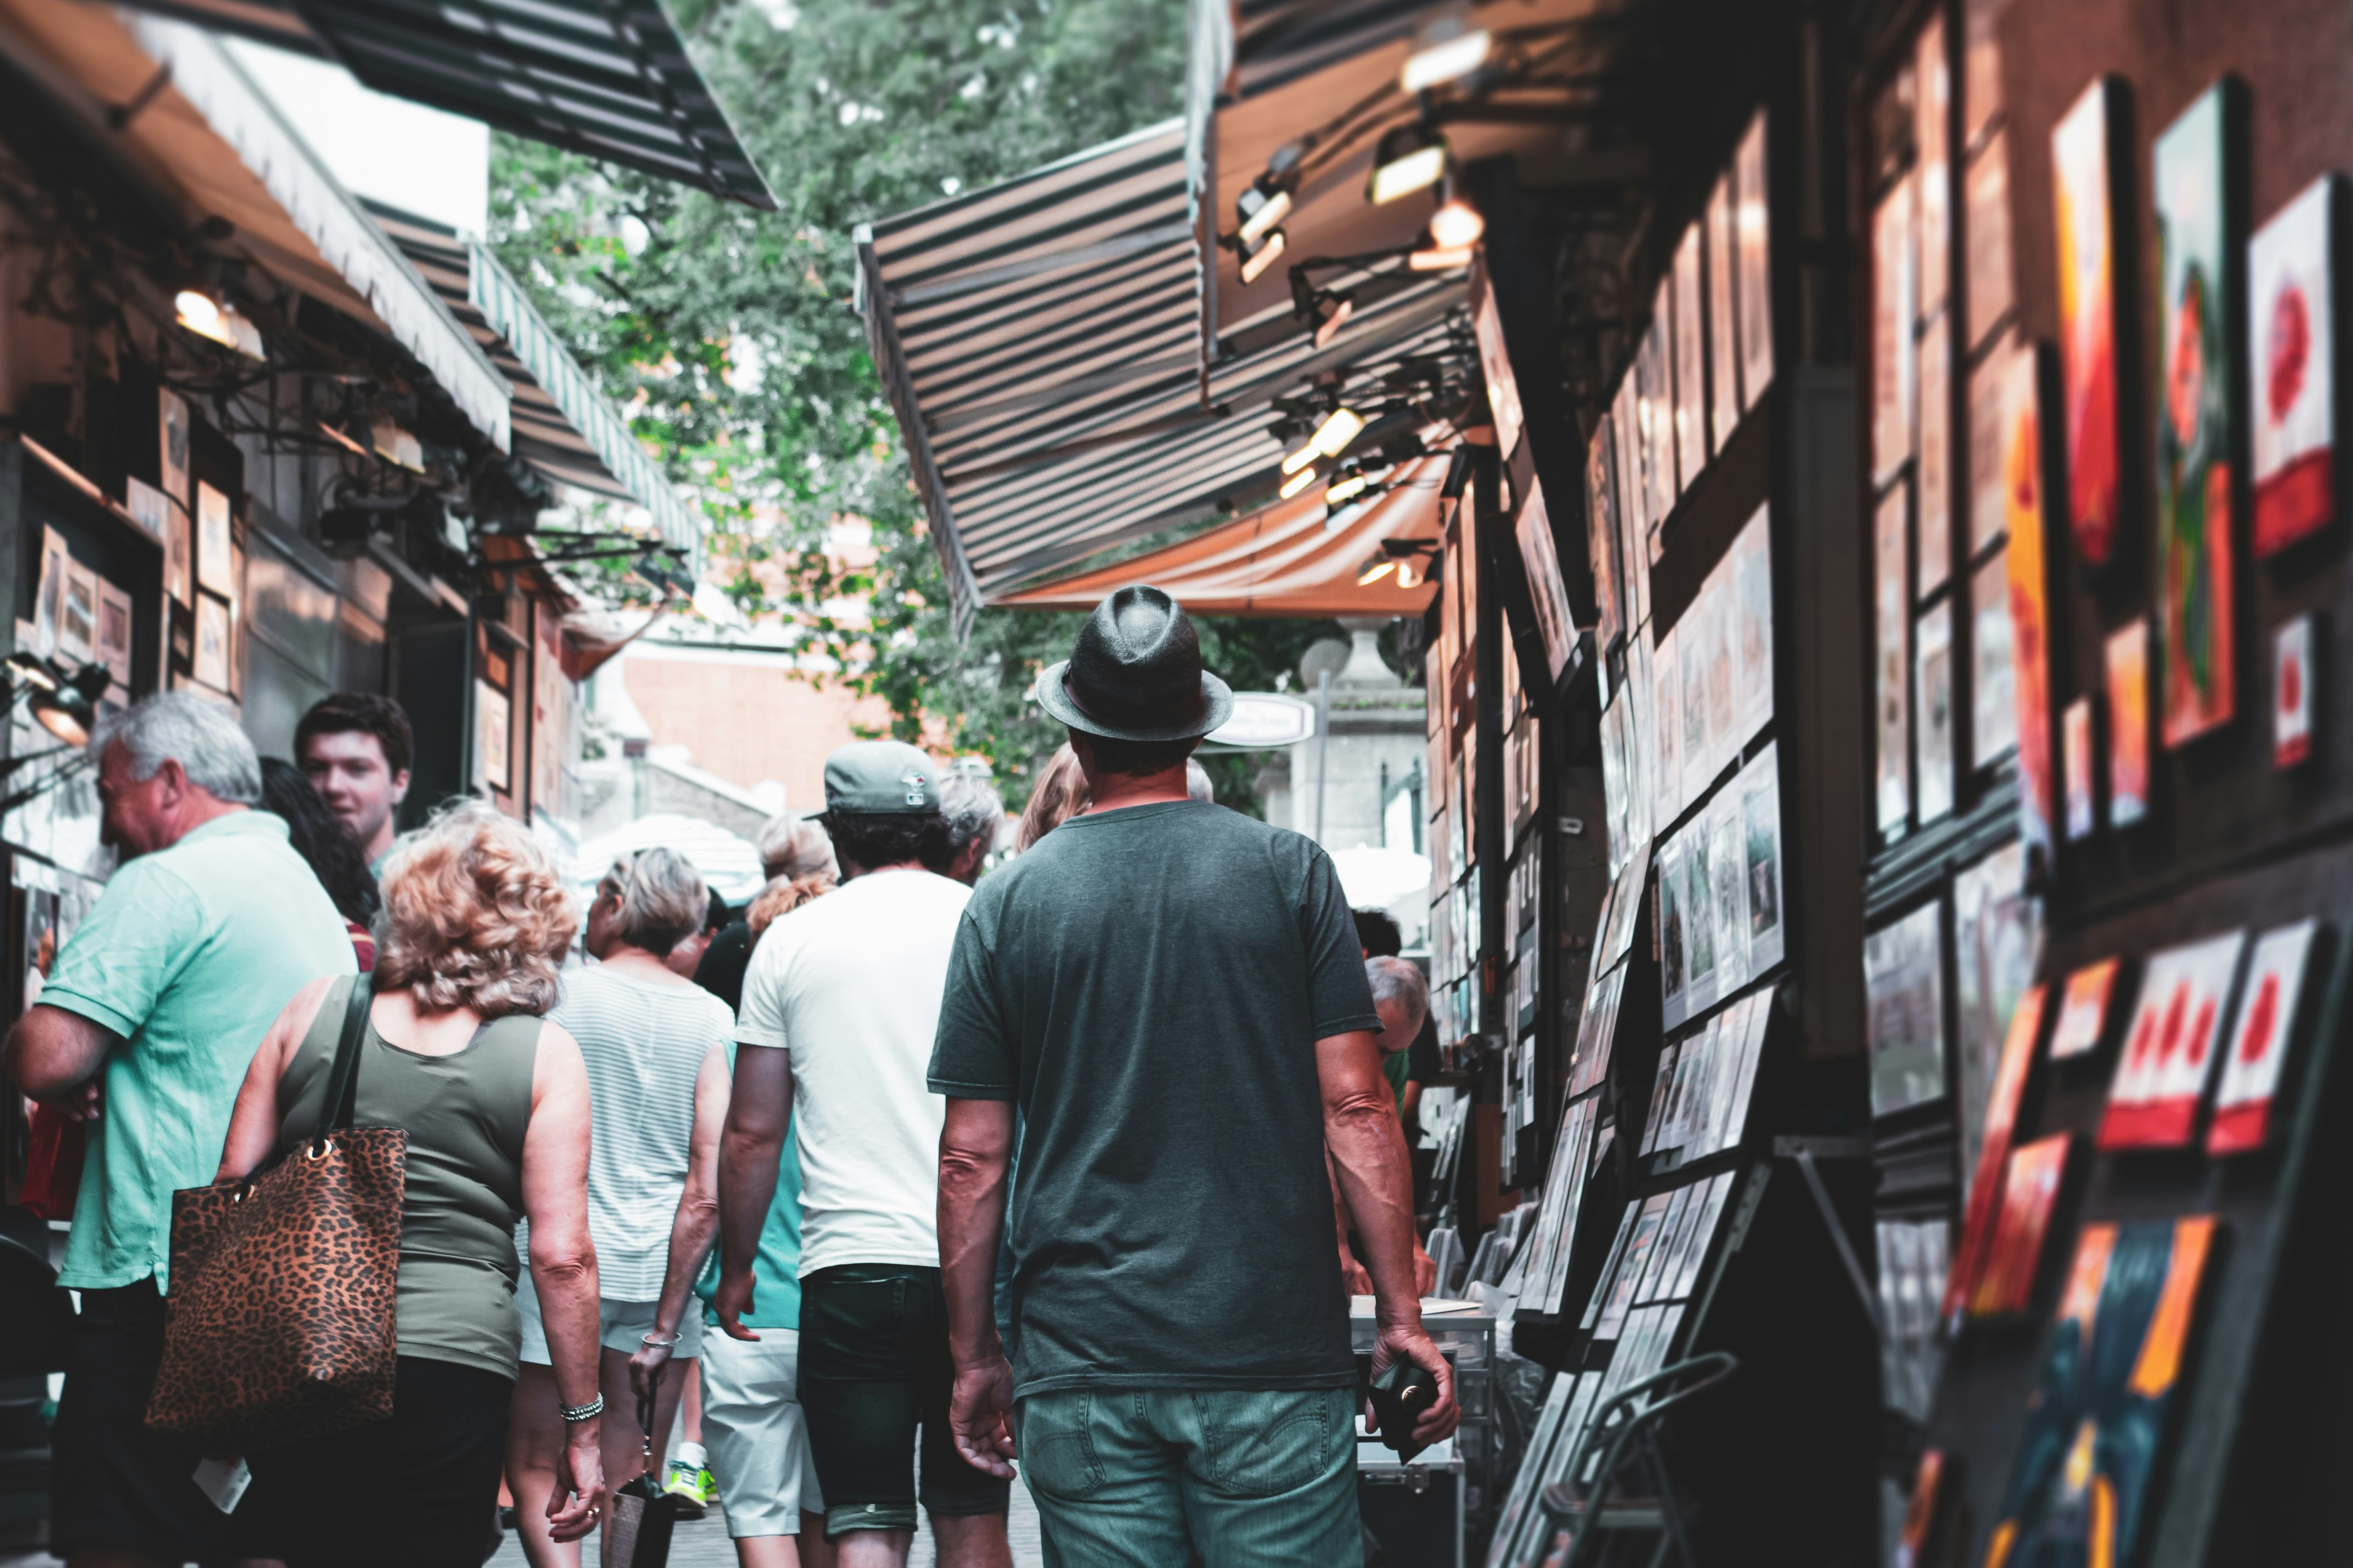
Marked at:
<point>280,1320</point>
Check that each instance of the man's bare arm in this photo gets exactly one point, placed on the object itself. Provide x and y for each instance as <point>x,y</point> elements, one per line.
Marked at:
<point>759,1111</point>
<point>976,1152</point>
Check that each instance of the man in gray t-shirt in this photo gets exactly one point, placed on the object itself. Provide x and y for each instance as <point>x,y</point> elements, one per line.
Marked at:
<point>1174,996</point>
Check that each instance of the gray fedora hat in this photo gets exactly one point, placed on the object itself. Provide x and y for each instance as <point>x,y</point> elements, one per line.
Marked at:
<point>1135,673</point>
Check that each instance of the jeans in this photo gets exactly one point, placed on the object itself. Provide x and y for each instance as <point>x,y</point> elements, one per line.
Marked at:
<point>1151,1478</point>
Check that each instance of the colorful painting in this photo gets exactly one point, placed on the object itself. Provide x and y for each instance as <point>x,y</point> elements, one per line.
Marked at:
<point>1993,1152</point>
<point>2127,661</point>
<point>2251,1068</point>
<point>1723,332</point>
<point>2195,580</point>
<point>2030,607</point>
<point>1754,237</point>
<point>2178,1028</point>
<point>2292,335</point>
<point>1891,602</point>
<point>1903,978</point>
<point>2076,759</point>
<point>2291,672</point>
<point>1933,700</point>
<point>2083,187</point>
<point>2081,1485</point>
<point>2083,1010</point>
<point>2030,1191</point>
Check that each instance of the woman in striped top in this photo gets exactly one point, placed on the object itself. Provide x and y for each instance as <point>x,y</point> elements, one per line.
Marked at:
<point>649,1037</point>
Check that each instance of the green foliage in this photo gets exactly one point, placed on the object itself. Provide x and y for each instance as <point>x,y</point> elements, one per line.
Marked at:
<point>728,336</point>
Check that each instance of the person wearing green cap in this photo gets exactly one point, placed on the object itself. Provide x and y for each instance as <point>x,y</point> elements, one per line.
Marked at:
<point>840,1005</point>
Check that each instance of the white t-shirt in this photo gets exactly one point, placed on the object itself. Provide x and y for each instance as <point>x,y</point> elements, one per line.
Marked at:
<point>849,984</point>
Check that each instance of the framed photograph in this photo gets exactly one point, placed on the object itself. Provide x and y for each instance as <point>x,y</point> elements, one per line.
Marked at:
<point>2083,1010</point>
<point>114,632</point>
<point>1932,697</point>
<point>1722,328</point>
<point>1691,359</point>
<point>1993,697</point>
<point>212,643</point>
<point>2292,336</point>
<point>2195,576</point>
<point>214,535</point>
<point>2077,757</point>
<point>1893,305</point>
<point>1891,616</point>
<point>1554,623</point>
<point>2292,683</point>
<point>2084,192</point>
<point>1752,642</point>
<point>1936,455</point>
<point>2250,1067</point>
<point>1753,221</point>
<point>78,616</point>
<point>50,598</point>
<point>1760,816</point>
<point>171,428</point>
<point>1601,537</point>
<point>2178,1028</point>
<point>1902,977</point>
<point>2127,670</point>
<point>1986,200</point>
<point>491,714</point>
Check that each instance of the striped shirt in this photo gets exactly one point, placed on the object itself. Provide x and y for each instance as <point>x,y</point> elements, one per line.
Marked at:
<point>643,1044</point>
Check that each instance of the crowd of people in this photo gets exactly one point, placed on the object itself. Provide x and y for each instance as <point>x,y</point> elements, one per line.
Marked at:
<point>900,1174</point>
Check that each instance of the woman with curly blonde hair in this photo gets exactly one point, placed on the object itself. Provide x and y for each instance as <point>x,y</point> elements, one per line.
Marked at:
<point>495,1102</point>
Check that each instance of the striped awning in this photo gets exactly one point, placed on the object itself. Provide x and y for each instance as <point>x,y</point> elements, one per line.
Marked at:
<point>1040,344</point>
<point>609,78</point>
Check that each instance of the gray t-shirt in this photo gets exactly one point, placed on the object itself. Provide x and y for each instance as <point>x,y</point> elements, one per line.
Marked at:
<point>1149,985</point>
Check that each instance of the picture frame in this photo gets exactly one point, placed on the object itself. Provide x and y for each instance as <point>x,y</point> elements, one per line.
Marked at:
<point>1892,672</point>
<point>1933,701</point>
<point>2026,556</point>
<point>1893,305</point>
<point>492,717</point>
<point>1659,349</point>
<point>1934,466</point>
<point>78,616</point>
<point>1993,704</point>
<point>2180,1025</point>
<point>2294,348</point>
<point>114,632</point>
<point>2077,758</point>
<point>212,654</point>
<point>1760,815</point>
<point>1932,106</point>
<point>1986,203</point>
<point>2083,1010</point>
<point>2259,1046</point>
<point>49,595</point>
<point>1752,645</point>
<point>2293,680</point>
<point>1903,967</point>
<point>215,534</point>
<point>1540,557</point>
<point>1610,621</point>
<point>2126,650</point>
<point>2084,159</point>
<point>1753,222</point>
<point>1723,328</point>
<point>172,438</point>
<point>1691,358</point>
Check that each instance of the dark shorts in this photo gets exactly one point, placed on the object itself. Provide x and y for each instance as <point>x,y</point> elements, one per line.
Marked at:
<point>874,1368</point>
<point>114,1484</point>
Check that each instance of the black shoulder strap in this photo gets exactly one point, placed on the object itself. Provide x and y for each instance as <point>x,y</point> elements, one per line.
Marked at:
<point>344,1082</point>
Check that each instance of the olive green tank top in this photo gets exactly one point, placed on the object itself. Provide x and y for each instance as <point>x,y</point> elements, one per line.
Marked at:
<point>465,1114</point>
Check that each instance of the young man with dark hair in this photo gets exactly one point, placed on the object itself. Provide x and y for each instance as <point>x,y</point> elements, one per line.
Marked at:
<point>840,1005</point>
<point>1173,995</point>
<point>355,747</point>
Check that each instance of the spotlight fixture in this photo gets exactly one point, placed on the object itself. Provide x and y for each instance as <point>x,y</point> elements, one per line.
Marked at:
<point>1344,488</point>
<point>1445,48</point>
<point>1257,259</point>
<point>1456,225</point>
<point>1431,259</point>
<point>1331,312</point>
<point>1341,426</point>
<point>1296,483</point>
<point>1406,577</point>
<point>1410,158</point>
<point>67,706</point>
<point>212,319</point>
<point>1300,458</point>
<point>1375,573</point>
<point>1260,208</point>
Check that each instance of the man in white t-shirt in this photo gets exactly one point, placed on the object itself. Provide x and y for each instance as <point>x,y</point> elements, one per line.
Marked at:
<point>840,1005</point>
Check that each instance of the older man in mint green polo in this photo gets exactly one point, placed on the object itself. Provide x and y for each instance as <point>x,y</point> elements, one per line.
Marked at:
<point>147,1024</point>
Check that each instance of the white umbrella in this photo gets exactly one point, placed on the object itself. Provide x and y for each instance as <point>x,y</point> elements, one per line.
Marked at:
<point>731,866</point>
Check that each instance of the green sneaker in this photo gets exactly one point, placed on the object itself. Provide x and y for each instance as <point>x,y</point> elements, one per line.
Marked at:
<point>692,1485</point>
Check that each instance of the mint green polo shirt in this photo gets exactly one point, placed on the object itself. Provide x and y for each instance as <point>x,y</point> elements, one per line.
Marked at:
<point>189,954</point>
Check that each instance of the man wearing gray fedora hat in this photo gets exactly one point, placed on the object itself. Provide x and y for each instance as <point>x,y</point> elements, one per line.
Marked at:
<point>1173,995</point>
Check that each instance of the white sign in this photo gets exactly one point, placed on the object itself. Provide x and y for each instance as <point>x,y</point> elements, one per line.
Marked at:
<point>1262,719</point>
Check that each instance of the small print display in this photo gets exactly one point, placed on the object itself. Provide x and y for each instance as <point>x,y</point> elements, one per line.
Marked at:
<point>1989,446</point>
<point>1986,197</point>
<point>1626,416</point>
<point>1692,648</point>
<point>1890,601</point>
<point>2292,339</point>
<point>1700,986</point>
<point>1756,302</point>
<point>1723,335</point>
<point>78,615</point>
<point>213,538</point>
<point>2251,1069</point>
<point>50,598</point>
<point>1654,370</point>
<point>1752,645</point>
<point>2083,1010</point>
<point>1691,360</point>
<point>171,428</point>
<point>2075,733</point>
<point>212,642</point>
<point>2194,480</point>
<point>1721,626</point>
<point>1993,701</point>
<point>114,632</point>
<point>1761,811</point>
<point>2030,1191</point>
<point>150,508</point>
<point>1554,623</point>
<point>491,730</point>
<point>2178,1028</point>
<point>1997,947</point>
<point>1666,726</point>
<point>1933,698</point>
<point>2084,189</point>
<point>1671,983</point>
<point>2127,662</point>
<point>1993,1150</point>
<point>1903,976</point>
<point>1893,304</point>
<point>1913,1254</point>
<point>2292,648</point>
<point>2080,1486</point>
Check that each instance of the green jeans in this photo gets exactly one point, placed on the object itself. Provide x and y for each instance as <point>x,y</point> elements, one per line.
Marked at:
<point>1158,1477</point>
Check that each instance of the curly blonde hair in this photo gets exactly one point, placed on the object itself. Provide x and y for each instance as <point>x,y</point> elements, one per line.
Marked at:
<point>782,896</point>
<point>474,916</point>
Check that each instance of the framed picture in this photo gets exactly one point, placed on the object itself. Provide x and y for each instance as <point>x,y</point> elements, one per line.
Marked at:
<point>2029,604</point>
<point>1667,480</point>
<point>1989,391</point>
<point>1671,934</point>
<point>1993,687</point>
<point>49,596</point>
<point>1753,221</point>
<point>1891,601</point>
<point>1903,976</point>
<point>1760,815</point>
<point>78,616</point>
<point>1752,644</point>
<point>1625,430</point>
<point>1691,359</point>
<point>1987,204</point>
<point>114,632</point>
<point>1495,363</point>
<point>179,556</point>
<point>1932,699</point>
<point>2194,483</point>
<point>214,535</point>
<point>492,714</point>
<point>1728,870</point>
<point>1692,648</point>
<point>1932,102</point>
<point>171,428</point>
<point>2292,683</point>
<point>150,508</point>
<point>2127,670</point>
<point>2250,1067</point>
<point>2084,192</point>
<point>212,643</point>
<point>2178,1028</point>
<point>1998,942</point>
<point>2292,335</point>
<point>1666,725</point>
<point>1601,537</point>
<point>1723,328</point>
<point>1893,304</point>
<point>1720,624</point>
<point>2083,1010</point>
<point>1554,623</point>
<point>1935,479</point>
<point>2076,756</point>
<point>2030,1191</point>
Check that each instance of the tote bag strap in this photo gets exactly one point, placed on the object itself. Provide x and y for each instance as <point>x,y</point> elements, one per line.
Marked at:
<point>344,1081</point>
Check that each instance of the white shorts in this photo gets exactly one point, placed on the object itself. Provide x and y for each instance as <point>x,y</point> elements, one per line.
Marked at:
<point>756,1435</point>
<point>620,1326</point>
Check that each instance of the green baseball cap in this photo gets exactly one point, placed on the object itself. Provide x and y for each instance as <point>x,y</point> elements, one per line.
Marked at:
<point>872,778</point>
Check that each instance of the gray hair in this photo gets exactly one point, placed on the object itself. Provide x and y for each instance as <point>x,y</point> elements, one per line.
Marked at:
<point>662,898</point>
<point>1197,782</point>
<point>792,847</point>
<point>1399,981</point>
<point>192,730</point>
<point>972,807</point>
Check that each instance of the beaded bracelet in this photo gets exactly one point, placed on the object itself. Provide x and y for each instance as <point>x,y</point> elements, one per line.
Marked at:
<point>578,1413</point>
